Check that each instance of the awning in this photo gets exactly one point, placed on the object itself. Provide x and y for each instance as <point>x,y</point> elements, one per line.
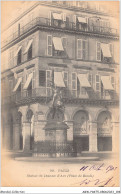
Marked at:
<point>106,50</point>
<point>82,20</point>
<point>28,81</point>
<point>17,84</point>
<point>58,79</point>
<point>57,16</point>
<point>83,80</point>
<point>28,46</point>
<point>58,44</point>
<point>106,83</point>
<point>18,51</point>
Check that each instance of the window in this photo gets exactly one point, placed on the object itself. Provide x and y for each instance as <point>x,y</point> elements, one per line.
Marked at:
<point>45,78</point>
<point>42,78</point>
<point>74,84</point>
<point>49,45</point>
<point>19,57</point>
<point>30,52</point>
<point>48,78</point>
<point>65,77</point>
<point>48,82</point>
<point>98,51</point>
<point>97,83</point>
<point>82,49</point>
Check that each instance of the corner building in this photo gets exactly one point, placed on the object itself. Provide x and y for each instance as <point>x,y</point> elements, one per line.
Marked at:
<point>73,46</point>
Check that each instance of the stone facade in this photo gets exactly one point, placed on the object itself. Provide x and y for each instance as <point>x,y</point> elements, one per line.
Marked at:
<point>90,113</point>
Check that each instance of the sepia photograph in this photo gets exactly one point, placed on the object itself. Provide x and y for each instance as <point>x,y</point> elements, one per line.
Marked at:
<point>60,94</point>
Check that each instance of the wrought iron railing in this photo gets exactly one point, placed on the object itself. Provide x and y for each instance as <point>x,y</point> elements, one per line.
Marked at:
<point>45,22</point>
<point>53,147</point>
<point>46,93</point>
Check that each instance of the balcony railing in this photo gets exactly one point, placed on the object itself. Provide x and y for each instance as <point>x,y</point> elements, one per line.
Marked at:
<point>45,22</point>
<point>47,93</point>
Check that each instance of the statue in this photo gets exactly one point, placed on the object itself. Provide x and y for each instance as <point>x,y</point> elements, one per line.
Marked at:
<point>57,104</point>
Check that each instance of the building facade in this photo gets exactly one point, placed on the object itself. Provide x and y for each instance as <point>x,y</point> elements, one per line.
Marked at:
<point>70,46</point>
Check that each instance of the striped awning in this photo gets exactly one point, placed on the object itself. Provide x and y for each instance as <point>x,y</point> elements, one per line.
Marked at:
<point>58,44</point>
<point>106,83</point>
<point>82,20</point>
<point>58,79</point>
<point>105,50</point>
<point>16,53</point>
<point>57,16</point>
<point>28,46</point>
<point>28,81</point>
<point>17,84</point>
<point>83,80</point>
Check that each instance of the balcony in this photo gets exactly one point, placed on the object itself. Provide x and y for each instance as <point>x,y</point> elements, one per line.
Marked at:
<point>45,23</point>
<point>45,95</point>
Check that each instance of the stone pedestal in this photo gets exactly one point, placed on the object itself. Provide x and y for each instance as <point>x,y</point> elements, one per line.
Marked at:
<point>26,136</point>
<point>61,136</point>
<point>16,136</point>
<point>93,137</point>
<point>39,133</point>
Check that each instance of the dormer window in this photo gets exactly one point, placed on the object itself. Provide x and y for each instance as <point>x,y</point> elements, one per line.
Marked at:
<point>80,22</point>
<point>57,19</point>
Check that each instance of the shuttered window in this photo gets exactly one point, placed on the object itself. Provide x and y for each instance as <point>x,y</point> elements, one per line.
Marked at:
<point>98,51</point>
<point>97,83</point>
<point>49,45</point>
<point>82,49</point>
<point>65,77</point>
<point>42,78</point>
<point>74,84</point>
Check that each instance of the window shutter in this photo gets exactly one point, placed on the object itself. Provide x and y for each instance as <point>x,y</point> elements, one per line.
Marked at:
<point>79,49</point>
<point>74,84</point>
<point>48,82</point>
<point>85,49</point>
<point>97,83</point>
<point>49,45</point>
<point>98,51</point>
<point>65,77</point>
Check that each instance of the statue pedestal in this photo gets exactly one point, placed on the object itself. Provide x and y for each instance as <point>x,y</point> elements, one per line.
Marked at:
<point>55,144</point>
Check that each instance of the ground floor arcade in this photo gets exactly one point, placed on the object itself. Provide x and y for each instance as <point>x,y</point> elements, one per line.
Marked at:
<point>90,129</point>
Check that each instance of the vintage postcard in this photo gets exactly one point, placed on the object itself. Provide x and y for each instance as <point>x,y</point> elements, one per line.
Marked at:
<point>60,93</point>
